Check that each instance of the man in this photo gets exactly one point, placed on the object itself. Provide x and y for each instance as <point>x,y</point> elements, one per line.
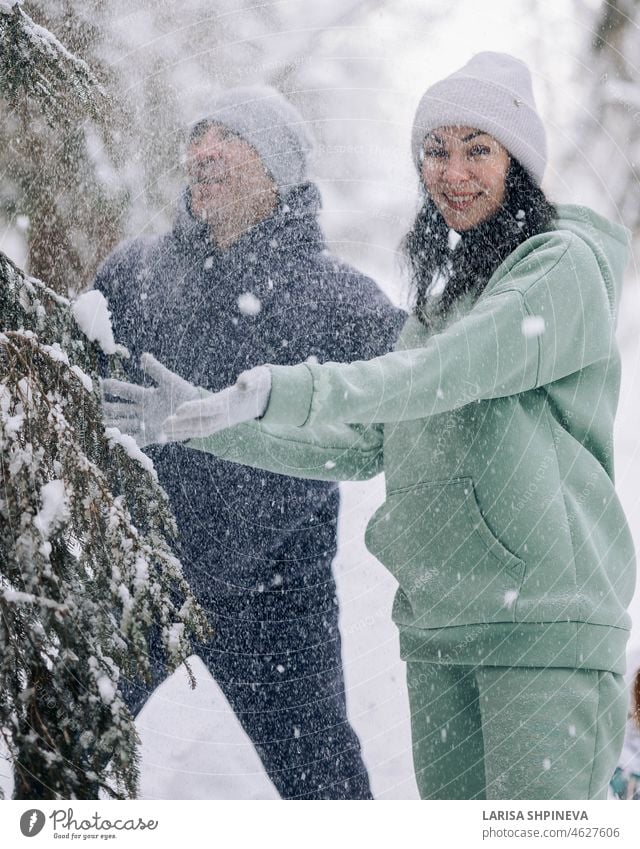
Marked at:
<point>244,278</point>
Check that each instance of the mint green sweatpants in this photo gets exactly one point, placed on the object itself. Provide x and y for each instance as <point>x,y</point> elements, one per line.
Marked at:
<point>514,733</point>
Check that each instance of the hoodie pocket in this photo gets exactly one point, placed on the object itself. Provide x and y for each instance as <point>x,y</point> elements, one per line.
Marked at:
<point>451,568</point>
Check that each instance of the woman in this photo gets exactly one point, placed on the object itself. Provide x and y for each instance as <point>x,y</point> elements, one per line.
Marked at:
<point>493,424</point>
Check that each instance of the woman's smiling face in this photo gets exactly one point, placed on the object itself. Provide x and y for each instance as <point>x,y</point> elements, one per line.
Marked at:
<point>464,171</point>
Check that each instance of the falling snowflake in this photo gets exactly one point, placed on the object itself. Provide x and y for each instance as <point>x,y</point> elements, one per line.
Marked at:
<point>510,598</point>
<point>248,304</point>
<point>533,325</point>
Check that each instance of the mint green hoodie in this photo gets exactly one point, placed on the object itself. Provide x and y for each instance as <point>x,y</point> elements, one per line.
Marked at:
<point>495,434</point>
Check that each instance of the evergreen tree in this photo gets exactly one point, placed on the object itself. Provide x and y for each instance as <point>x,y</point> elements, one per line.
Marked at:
<point>51,105</point>
<point>86,573</point>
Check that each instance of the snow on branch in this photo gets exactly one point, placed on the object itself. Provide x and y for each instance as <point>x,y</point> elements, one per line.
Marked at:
<point>34,62</point>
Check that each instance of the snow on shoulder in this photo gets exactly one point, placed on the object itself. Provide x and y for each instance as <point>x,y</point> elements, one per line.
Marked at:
<point>92,315</point>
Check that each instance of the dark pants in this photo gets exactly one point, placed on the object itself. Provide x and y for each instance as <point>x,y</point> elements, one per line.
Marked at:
<point>275,653</point>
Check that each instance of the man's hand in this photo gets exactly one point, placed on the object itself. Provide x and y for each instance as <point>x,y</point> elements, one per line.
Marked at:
<point>247,399</point>
<point>141,410</point>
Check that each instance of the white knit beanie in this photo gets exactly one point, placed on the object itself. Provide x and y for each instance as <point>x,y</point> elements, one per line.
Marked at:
<point>492,93</point>
<point>264,118</point>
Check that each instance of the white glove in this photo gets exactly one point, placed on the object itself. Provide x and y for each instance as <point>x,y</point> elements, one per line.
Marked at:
<point>141,410</point>
<point>247,399</point>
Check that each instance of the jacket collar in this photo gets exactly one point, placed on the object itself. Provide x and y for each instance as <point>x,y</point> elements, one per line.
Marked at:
<point>294,221</point>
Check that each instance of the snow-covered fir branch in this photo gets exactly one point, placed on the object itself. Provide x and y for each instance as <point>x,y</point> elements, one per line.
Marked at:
<point>34,62</point>
<point>86,572</point>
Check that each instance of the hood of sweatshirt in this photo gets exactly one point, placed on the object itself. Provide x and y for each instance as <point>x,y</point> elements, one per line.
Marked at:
<point>608,241</point>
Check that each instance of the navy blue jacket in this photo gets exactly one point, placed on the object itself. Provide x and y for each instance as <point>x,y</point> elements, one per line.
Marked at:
<point>275,296</point>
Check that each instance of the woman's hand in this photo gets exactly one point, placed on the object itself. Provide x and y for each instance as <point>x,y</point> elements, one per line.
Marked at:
<point>247,399</point>
<point>141,410</point>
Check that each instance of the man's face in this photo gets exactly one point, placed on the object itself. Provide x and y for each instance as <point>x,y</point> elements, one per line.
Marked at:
<point>229,184</point>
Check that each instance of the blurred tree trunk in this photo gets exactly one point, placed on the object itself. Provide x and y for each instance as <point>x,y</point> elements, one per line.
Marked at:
<point>607,129</point>
<point>72,221</point>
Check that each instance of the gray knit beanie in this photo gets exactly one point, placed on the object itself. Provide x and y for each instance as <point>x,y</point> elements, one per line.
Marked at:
<point>492,93</point>
<point>264,118</point>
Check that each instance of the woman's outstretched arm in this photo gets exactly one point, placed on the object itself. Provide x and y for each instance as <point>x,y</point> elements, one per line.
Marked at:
<point>226,424</point>
<point>336,453</point>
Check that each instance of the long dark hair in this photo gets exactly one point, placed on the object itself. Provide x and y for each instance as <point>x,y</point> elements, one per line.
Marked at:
<point>465,268</point>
